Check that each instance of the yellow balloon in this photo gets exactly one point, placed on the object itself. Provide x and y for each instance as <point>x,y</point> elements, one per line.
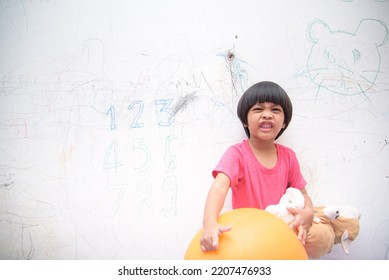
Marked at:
<point>255,235</point>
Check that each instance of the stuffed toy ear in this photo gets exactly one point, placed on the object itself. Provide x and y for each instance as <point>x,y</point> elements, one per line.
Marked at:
<point>293,198</point>
<point>345,241</point>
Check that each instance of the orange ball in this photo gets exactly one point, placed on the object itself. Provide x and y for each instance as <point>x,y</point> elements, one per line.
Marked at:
<point>255,235</point>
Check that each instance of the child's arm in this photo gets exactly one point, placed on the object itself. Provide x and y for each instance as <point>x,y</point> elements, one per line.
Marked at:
<point>303,217</point>
<point>215,200</point>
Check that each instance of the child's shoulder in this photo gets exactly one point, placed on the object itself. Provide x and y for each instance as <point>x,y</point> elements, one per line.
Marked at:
<point>242,147</point>
<point>285,149</point>
<point>237,147</point>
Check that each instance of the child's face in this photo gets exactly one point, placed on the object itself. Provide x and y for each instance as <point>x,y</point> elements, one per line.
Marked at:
<point>265,121</point>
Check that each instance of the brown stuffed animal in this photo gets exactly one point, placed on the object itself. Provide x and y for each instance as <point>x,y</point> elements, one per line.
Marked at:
<point>332,225</point>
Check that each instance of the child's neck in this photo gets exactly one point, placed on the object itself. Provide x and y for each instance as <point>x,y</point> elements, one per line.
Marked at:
<point>265,152</point>
<point>262,146</point>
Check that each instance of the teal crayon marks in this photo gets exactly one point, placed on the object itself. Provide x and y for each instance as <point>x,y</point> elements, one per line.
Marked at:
<point>170,159</point>
<point>238,74</point>
<point>138,107</point>
<point>143,151</point>
<point>346,62</point>
<point>165,115</point>
<point>111,114</point>
<point>164,108</point>
<point>111,159</point>
<point>144,191</point>
<point>169,188</point>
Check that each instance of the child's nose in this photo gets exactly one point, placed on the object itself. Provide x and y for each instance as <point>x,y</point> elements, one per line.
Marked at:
<point>267,114</point>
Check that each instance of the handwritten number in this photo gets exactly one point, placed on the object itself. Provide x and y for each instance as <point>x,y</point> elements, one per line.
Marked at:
<point>164,113</point>
<point>169,187</point>
<point>111,157</point>
<point>139,105</point>
<point>111,113</point>
<point>170,158</point>
<point>143,149</point>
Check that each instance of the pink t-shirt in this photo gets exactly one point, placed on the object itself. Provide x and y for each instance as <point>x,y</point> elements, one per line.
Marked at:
<point>253,185</point>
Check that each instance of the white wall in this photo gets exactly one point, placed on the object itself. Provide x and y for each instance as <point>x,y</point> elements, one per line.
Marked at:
<point>113,114</point>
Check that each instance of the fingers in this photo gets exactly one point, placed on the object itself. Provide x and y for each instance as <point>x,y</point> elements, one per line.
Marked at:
<point>302,234</point>
<point>293,211</point>
<point>225,229</point>
<point>212,243</point>
<point>299,224</point>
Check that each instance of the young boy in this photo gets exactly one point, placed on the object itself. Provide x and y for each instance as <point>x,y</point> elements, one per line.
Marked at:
<point>257,170</point>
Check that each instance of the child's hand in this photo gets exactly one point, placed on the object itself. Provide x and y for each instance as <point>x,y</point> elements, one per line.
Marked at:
<point>302,221</point>
<point>209,240</point>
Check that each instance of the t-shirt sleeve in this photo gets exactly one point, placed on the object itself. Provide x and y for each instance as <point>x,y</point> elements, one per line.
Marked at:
<point>296,179</point>
<point>229,165</point>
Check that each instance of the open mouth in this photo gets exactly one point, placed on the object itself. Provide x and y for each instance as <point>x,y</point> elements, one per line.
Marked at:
<point>266,125</point>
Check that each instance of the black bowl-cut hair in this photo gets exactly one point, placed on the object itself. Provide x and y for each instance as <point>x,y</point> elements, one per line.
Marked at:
<point>262,92</point>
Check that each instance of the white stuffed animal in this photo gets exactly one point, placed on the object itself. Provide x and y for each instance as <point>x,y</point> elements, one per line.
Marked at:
<point>293,198</point>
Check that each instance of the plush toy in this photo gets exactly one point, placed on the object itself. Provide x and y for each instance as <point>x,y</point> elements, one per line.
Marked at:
<point>292,198</point>
<point>331,225</point>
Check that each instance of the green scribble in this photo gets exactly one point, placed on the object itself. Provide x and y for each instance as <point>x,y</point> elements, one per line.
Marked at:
<point>344,62</point>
